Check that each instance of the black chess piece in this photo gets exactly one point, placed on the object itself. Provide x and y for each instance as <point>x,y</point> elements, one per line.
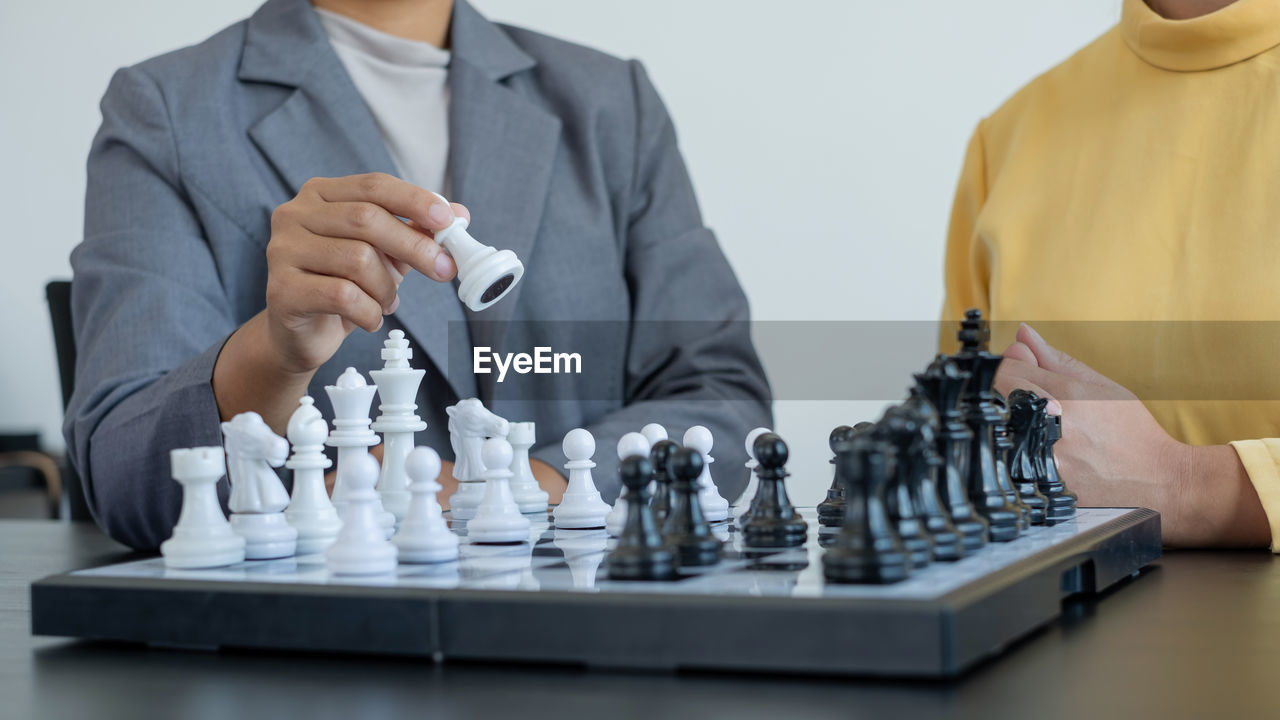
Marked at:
<point>640,553</point>
<point>659,457</point>
<point>686,529</point>
<point>831,510</point>
<point>898,429</point>
<point>866,550</point>
<point>1061,502</point>
<point>1023,457</point>
<point>941,383</point>
<point>981,415</point>
<point>922,463</point>
<point>772,521</point>
<point>1004,445</point>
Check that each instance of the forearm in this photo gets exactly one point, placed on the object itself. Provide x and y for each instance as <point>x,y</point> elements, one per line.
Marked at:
<point>1213,501</point>
<point>248,376</point>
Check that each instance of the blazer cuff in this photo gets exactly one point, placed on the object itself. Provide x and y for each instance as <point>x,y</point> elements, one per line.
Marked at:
<point>1261,460</point>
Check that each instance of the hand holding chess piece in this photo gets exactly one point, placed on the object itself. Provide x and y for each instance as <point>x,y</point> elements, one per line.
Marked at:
<point>1113,453</point>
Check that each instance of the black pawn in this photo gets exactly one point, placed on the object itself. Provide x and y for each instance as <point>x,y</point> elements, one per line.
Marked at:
<point>831,510</point>
<point>980,413</point>
<point>866,550</point>
<point>1023,456</point>
<point>941,383</point>
<point>1062,502</point>
<point>640,553</point>
<point>772,521</point>
<point>659,457</point>
<point>897,428</point>
<point>686,529</point>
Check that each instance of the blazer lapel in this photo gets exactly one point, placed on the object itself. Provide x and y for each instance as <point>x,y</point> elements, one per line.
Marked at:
<point>324,129</point>
<point>501,153</point>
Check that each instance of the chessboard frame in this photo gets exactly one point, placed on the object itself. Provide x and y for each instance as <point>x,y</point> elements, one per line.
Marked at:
<point>938,637</point>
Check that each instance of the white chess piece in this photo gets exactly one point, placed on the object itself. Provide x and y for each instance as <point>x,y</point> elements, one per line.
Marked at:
<point>258,498</point>
<point>351,397</point>
<point>424,536</point>
<point>498,519</point>
<point>581,506</point>
<point>753,482</point>
<point>469,424</point>
<point>310,512</point>
<point>362,547</point>
<point>485,274</point>
<point>524,487</point>
<point>397,385</point>
<point>202,538</point>
<point>714,507</point>
<point>653,432</point>
<point>629,445</point>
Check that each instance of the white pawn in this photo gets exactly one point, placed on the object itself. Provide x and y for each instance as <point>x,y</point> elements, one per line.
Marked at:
<point>202,538</point>
<point>653,432</point>
<point>524,487</point>
<point>485,274</point>
<point>581,506</point>
<point>398,387</point>
<point>424,536</point>
<point>351,397</point>
<point>362,547</point>
<point>310,512</point>
<point>714,507</point>
<point>258,498</point>
<point>629,445</point>
<point>744,502</point>
<point>498,519</point>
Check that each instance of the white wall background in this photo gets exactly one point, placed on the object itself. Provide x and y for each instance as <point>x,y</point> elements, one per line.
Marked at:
<point>824,138</point>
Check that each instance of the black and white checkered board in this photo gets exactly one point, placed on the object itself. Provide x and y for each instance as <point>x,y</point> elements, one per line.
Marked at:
<point>551,601</point>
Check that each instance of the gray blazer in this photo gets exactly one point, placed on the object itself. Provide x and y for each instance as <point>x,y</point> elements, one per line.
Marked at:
<point>563,154</point>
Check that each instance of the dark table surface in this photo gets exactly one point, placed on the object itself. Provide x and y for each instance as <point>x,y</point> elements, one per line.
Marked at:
<point>1197,635</point>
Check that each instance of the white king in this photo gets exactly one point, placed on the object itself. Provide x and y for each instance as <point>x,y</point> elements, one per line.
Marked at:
<point>397,385</point>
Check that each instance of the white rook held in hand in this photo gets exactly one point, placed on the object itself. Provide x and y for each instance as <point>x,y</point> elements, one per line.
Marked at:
<point>485,274</point>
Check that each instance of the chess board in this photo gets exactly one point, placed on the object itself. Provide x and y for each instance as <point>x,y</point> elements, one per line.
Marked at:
<point>550,600</point>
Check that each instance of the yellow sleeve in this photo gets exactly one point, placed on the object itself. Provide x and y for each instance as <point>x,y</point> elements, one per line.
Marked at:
<point>967,270</point>
<point>1261,460</point>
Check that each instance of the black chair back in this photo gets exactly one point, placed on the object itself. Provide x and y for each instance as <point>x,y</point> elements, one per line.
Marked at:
<point>58,294</point>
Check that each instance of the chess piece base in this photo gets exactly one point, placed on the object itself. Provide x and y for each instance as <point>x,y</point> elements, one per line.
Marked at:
<point>439,550</point>
<point>580,511</point>
<point>192,553</point>
<point>266,536</point>
<point>777,533</point>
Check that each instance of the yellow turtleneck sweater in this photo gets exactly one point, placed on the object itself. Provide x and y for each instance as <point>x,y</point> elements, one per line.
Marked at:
<point>1127,204</point>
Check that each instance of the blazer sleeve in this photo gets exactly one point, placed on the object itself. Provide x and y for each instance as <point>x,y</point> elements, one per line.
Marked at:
<point>1261,460</point>
<point>967,266</point>
<point>691,360</point>
<point>150,317</point>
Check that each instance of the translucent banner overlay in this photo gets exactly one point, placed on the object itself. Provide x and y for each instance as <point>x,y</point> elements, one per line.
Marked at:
<point>850,360</point>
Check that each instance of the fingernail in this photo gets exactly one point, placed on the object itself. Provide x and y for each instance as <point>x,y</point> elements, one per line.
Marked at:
<point>444,266</point>
<point>1053,408</point>
<point>440,213</point>
<point>394,305</point>
<point>380,323</point>
<point>1033,333</point>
